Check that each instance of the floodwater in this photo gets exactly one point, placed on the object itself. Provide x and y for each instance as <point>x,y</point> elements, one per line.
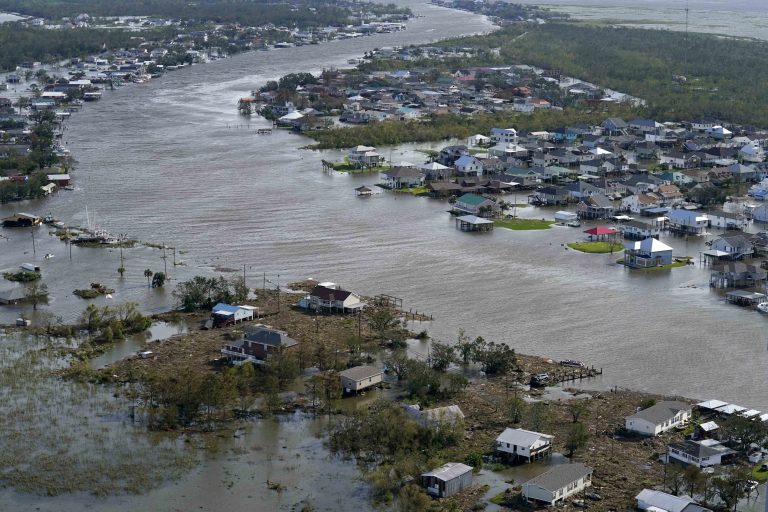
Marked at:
<point>740,18</point>
<point>168,164</point>
<point>164,161</point>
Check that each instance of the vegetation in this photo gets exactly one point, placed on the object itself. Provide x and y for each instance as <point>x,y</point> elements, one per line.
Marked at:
<point>519,224</point>
<point>447,126</point>
<point>644,64</point>
<point>601,247</point>
<point>36,293</point>
<point>110,323</point>
<point>205,292</point>
<point>22,276</point>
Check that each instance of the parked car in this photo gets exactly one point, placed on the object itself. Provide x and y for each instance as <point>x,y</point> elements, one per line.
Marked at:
<point>539,380</point>
<point>750,485</point>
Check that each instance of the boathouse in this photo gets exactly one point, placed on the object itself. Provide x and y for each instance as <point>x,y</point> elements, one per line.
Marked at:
<point>744,298</point>
<point>22,220</point>
<point>447,480</point>
<point>363,191</point>
<point>473,223</point>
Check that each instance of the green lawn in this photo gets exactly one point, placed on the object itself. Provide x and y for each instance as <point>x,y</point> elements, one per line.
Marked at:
<point>597,247</point>
<point>524,224</point>
<point>416,191</point>
<point>757,474</point>
<point>674,264</point>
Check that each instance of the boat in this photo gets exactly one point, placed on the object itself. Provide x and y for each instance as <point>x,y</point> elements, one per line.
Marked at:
<point>570,363</point>
<point>762,307</point>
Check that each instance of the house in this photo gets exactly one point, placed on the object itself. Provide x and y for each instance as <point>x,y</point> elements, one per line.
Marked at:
<point>726,220</point>
<point>644,125</point>
<point>638,230</point>
<point>679,160</point>
<point>364,156</point>
<point>517,443</point>
<point>558,484</point>
<point>638,203</point>
<point>719,133</point>
<point>223,314</point>
<point>670,194</point>
<point>258,343</point>
<point>403,177</point>
<point>449,154</point>
<point>328,296</point>
<point>478,140</point>
<point>658,418</point>
<point>474,204</point>
<point>550,196</point>
<point>596,206</point>
<point>702,454</point>
<point>657,501</point>
<point>687,221</point>
<point>647,253</point>
<point>358,378</point>
<point>737,244</point>
<point>614,126</point>
<point>447,480</point>
<point>734,274</point>
<point>752,152</point>
<point>504,136</point>
<point>467,165</point>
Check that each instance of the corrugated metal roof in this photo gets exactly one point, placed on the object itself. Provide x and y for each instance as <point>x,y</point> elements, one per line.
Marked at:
<point>360,372</point>
<point>521,437</point>
<point>449,471</point>
<point>661,412</point>
<point>560,476</point>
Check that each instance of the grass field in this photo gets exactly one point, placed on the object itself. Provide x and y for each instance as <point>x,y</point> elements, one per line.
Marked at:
<point>597,247</point>
<point>524,224</point>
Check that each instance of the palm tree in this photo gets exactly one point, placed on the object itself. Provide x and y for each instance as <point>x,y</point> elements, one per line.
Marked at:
<point>148,274</point>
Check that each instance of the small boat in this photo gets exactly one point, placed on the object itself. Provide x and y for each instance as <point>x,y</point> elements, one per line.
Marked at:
<point>570,363</point>
<point>69,187</point>
<point>146,354</point>
<point>762,307</point>
<point>48,256</point>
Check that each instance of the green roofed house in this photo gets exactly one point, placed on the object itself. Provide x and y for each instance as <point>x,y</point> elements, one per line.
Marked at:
<point>474,204</point>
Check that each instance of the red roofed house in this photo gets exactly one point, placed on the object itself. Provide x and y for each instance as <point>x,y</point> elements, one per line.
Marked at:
<point>333,299</point>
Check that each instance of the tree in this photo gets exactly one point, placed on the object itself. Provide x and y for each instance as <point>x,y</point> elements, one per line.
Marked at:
<point>36,293</point>
<point>693,478</point>
<point>158,280</point>
<point>464,347</point>
<point>730,487</point>
<point>577,409</point>
<point>383,323</point>
<point>494,359</point>
<point>148,274</point>
<point>412,498</point>
<point>539,417</point>
<point>576,438</point>
<point>441,355</point>
<point>674,478</point>
<point>742,432</point>
<point>515,409</point>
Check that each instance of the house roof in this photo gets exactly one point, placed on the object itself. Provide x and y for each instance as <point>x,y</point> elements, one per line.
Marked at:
<point>560,476</point>
<point>225,309</point>
<point>662,411</point>
<point>472,199</point>
<point>474,220</point>
<point>711,404</point>
<point>325,293</point>
<point>601,230</point>
<point>360,372</point>
<point>403,172</point>
<point>663,501</point>
<point>709,426</point>
<point>701,449</point>
<point>521,437</point>
<point>268,336</point>
<point>449,471</point>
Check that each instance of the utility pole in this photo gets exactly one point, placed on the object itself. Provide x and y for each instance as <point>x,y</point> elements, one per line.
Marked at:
<point>244,282</point>
<point>278,293</point>
<point>165,261</point>
<point>33,242</point>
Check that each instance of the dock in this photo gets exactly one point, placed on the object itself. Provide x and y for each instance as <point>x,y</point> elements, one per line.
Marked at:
<point>744,298</point>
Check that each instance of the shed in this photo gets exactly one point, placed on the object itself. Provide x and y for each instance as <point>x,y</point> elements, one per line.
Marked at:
<point>359,378</point>
<point>563,216</point>
<point>447,480</point>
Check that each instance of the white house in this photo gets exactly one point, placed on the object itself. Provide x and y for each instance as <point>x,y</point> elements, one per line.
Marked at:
<point>468,165</point>
<point>658,418</point>
<point>726,220</point>
<point>524,444</point>
<point>752,152</point>
<point>702,454</point>
<point>478,140</point>
<point>687,221</point>
<point>364,156</point>
<point>638,230</point>
<point>718,132</point>
<point>657,501</point>
<point>403,177</point>
<point>504,135</point>
<point>558,483</point>
<point>647,253</point>
<point>359,378</point>
<point>227,313</point>
<point>637,203</point>
<point>737,244</point>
